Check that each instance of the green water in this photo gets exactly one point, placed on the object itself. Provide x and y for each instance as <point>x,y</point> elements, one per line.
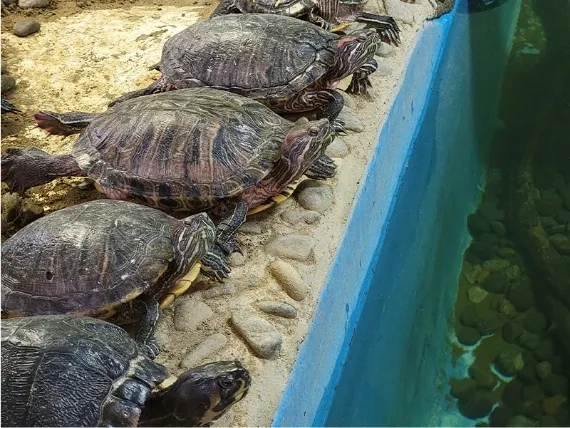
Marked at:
<point>513,303</point>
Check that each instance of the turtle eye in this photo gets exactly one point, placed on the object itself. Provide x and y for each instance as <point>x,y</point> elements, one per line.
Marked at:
<point>313,132</point>
<point>226,382</point>
<point>361,39</point>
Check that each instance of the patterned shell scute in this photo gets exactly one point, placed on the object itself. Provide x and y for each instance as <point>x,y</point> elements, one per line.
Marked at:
<point>75,361</point>
<point>84,257</point>
<point>197,143</point>
<point>251,54</point>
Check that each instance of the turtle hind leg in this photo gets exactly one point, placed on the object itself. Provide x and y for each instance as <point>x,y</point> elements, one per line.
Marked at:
<point>225,7</point>
<point>360,81</point>
<point>160,85</point>
<point>386,26</point>
<point>63,123</point>
<point>146,310</point>
<point>323,168</point>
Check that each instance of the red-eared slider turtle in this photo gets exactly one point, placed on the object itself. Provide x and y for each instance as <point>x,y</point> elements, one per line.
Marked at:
<point>326,13</point>
<point>112,259</point>
<point>189,150</point>
<point>68,371</point>
<point>287,64</point>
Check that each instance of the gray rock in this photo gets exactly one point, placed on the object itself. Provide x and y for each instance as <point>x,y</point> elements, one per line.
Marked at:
<point>189,313</point>
<point>509,361</point>
<point>4,67</point>
<point>8,83</point>
<point>211,345</point>
<point>351,121</point>
<point>25,27</point>
<point>295,247</point>
<point>288,277</point>
<point>263,338</point>
<point>348,100</point>
<point>383,69</point>
<point>498,228</point>
<point>236,259</point>
<point>507,308</point>
<point>298,217</point>
<point>26,4</point>
<point>316,198</point>
<point>476,294</point>
<point>280,309</point>
<point>337,149</point>
<point>385,50</point>
<point>561,243</point>
<point>251,228</point>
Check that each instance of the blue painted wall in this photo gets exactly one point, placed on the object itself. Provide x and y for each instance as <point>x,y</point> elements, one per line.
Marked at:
<point>376,352</point>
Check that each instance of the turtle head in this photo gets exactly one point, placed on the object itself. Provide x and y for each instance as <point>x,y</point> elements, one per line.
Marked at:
<point>353,51</point>
<point>199,396</point>
<point>194,236</point>
<point>305,143</point>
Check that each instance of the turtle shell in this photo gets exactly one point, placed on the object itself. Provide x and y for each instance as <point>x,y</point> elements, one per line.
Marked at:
<point>73,371</point>
<point>292,8</point>
<point>84,258</point>
<point>261,56</point>
<point>199,144</point>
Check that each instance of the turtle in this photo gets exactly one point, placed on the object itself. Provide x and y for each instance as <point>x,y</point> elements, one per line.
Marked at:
<point>8,107</point>
<point>116,260</point>
<point>326,13</point>
<point>192,150</point>
<point>290,65</point>
<point>65,370</point>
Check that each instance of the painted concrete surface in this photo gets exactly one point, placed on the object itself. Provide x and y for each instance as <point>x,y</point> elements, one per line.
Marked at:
<point>376,352</point>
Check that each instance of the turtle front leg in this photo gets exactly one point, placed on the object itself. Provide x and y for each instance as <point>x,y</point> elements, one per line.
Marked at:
<point>146,310</point>
<point>323,168</point>
<point>314,18</point>
<point>225,7</point>
<point>360,81</point>
<point>69,123</point>
<point>328,103</point>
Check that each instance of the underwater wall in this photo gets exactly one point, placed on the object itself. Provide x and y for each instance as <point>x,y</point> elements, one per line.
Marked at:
<point>377,350</point>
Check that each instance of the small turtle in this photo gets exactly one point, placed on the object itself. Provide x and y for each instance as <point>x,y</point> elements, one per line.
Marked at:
<point>191,150</point>
<point>326,13</point>
<point>288,64</point>
<point>8,107</point>
<point>112,259</point>
<point>65,371</point>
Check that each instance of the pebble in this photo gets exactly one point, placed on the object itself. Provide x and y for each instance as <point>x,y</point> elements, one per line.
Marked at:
<point>507,308</point>
<point>506,252</point>
<point>509,361</point>
<point>348,100</point>
<point>561,243</point>
<point>529,341</point>
<point>383,69</point>
<point>532,393</point>
<point>295,247</point>
<point>251,228</point>
<point>543,369</point>
<point>527,375</point>
<point>189,313</point>
<point>498,228</point>
<point>513,273</point>
<point>476,294</point>
<point>263,338</point>
<point>468,336</point>
<point>511,331</point>
<point>211,345</point>
<point>483,378</point>
<point>316,198</point>
<point>25,4</point>
<point>547,421</point>
<point>521,421</point>
<point>8,83</point>
<point>288,277</point>
<point>280,309</point>
<point>555,384</point>
<point>548,222</point>
<point>482,250</point>
<point>512,393</point>
<point>553,405</point>
<point>337,149</point>
<point>385,50</point>
<point>496,265</point>
<point>535,323</point>
<point>500,416</point>
<point>496,282</point>
<point>25,27</point>
<point>351,121</point>
<point>545,350</point>
<point>461,386</point>
<point>475,404</point>
<point>488,324</point>
<point>4,66</point>
<point>477,225</point>
<point>301,216</point>
<point>521,297</point>
<point>236,259</point>
<point>562,216</point>
<point>469,316</point>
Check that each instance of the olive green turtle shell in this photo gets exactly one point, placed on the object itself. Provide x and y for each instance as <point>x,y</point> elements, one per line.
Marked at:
<point>85,257</point>
<point>199,144</point>
<point>64,370</point>
<point>260,56</point>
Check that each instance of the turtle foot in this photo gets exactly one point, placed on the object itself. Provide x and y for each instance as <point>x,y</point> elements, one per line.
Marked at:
<point>63,124</point>
<point>359,86</point>
<point>339,127</point>
<point>150,348</point>
<point>215,264</point>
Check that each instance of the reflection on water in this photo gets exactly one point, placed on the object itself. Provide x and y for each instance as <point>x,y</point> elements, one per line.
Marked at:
<point>512,315</point>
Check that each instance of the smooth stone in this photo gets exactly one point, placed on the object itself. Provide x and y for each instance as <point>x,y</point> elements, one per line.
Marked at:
<point>263,338</point>
<point>8,83</point>
<point>4,66</point>
<point>521,421</point>
<point>351,120</point>
<point>251,228</point>
<point>511,331</point>
<point>477,225</point>
<point>509,361</point>
<point>461,386</point>
<point>468,336</point>
<point>476,294</point>
<point>545,350</point>
<point>280,309</point>
<point>385,50</point>
<point>482,250</point>
<point>506,252</point>
<point>488,324</point>
<point>189,313</point>
<point>25,4</point>
<point>521,297</point>
<point>484,379</point>
<point>469,316</point>
<point>532,393</point>
<point>543,369</point>
<point>295,247</point>
<point>337,149</point>
<point>498,228</point>
<point>553,405</point>
<point>555,384</point>
<point>496,265</point>
<point>236,259</point>
<point>490,212</point>
<point>383,69</point>
<point>513,273</point>
<point>562,216</point>
<point>527,375</point>
<point>301,217</point>
<point>348,100</point>
<point>476,275</point>
<point>548,222</point>
<point>535,323</point>
<point>496,283</point>
<point>561,243</point>
<point>512,393</point>
<point>25,27</point>
<point>316,198</point>
<point>289,279</point>
<point>547,207</point>
<point>209,346</point>
<point>476,404</point>
<point>500,416</point>
<point>507,308</point>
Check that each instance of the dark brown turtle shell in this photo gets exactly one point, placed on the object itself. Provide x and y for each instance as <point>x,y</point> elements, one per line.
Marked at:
<point>84,258</point>
<point>195,146</point>
<point>261,56</point>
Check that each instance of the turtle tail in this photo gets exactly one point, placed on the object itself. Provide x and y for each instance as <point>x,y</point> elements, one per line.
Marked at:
<point>160,85</point>
<point>63,123</point>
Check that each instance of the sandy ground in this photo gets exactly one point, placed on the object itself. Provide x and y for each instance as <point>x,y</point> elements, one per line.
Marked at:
<point>87,54</point>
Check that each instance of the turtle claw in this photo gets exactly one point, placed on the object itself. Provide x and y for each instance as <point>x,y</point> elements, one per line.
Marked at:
<point>359,86</point>
<point>215,264</point>
<point>151,348</point>
<point>339,127</point>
